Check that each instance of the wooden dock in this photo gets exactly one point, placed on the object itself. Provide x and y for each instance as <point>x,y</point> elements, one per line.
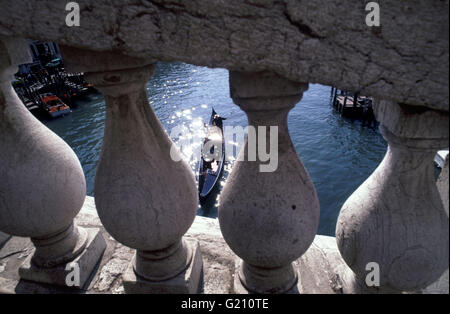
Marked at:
<point>353,106</point>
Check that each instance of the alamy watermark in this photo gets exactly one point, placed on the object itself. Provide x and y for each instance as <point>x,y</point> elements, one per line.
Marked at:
<point>373,277</point>
<point>262,145</point>
<point>73,277</point>
<point>73,17</point>
<point>373,17</point>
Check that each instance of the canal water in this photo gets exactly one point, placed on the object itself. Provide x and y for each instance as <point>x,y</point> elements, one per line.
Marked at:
<point>338,153</point>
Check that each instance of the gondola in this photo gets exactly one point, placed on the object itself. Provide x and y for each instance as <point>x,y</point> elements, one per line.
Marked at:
<point>212,161</point>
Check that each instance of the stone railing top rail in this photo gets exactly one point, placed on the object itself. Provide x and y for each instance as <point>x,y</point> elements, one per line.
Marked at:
<point>321,41</point>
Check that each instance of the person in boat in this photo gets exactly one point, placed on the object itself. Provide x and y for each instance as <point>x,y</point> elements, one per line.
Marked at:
<point>206,167</point>
<point>217,121</point>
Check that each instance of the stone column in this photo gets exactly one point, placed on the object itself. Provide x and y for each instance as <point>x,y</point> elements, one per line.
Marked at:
<point>269,219</point>
<point>42,187</point>
<point>144,198</point>
<point>396,218</point>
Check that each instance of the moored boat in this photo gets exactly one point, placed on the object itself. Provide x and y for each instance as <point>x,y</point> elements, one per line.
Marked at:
<point>54,106</point>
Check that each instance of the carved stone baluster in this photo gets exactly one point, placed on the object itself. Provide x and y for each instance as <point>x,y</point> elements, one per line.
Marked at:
<point>396,217</point>
<point>269,219</point>
<point>42,186</point>
<point>145,200</point>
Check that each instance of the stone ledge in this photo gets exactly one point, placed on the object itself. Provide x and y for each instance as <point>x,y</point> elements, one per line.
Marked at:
<point>218,259</point>
<point>318,268</point>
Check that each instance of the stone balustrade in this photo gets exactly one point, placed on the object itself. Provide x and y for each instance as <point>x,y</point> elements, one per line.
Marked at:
<point>42,186</point>
<point>147,202</point>
<point>275,212</point>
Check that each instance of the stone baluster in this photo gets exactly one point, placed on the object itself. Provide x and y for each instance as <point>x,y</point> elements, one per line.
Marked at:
<point>144,198</point>
<point>42,187</point>
<point>396,218</point>
<point>268,216</point>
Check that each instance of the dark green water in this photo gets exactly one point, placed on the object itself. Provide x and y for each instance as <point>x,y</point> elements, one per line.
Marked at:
<point>339,154</point>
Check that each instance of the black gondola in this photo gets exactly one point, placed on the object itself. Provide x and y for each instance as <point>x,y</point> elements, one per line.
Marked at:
<point>212,162</point>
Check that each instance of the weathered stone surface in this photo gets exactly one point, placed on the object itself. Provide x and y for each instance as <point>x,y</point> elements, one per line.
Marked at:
<point>396,219</point>
<point>322,255</point>
<point>217,259</point>
<point>12,53</point>
<point>442,284</point>
<point>268,212</point>
<point>111,272</point>
<point>188,281</point>
<point>42,183</point>
<point>319,269</point>
<point>145,193</point>
<point>323,41</point>
<point>443,184</point>
<point>28,156</point>
<point>413,122</point>
<point>3,238</point>
<point>85,262</point>
<point>262,84</point>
